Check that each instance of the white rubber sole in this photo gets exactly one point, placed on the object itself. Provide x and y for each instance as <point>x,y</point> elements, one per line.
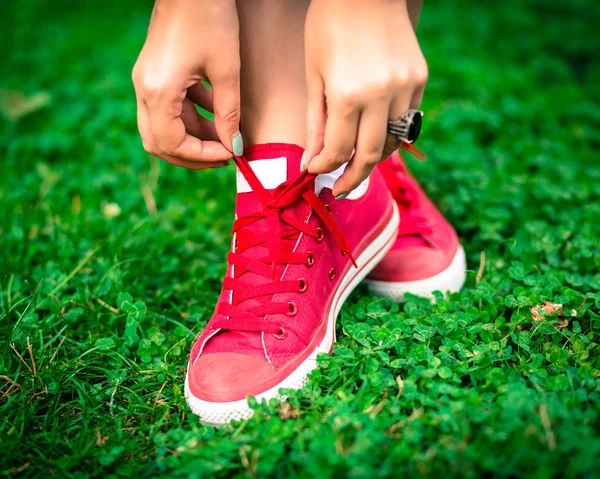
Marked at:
<point>216,413</point>
<point>449,280</point>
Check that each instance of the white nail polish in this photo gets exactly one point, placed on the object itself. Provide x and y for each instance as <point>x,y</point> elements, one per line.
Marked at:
<point>303,162</point>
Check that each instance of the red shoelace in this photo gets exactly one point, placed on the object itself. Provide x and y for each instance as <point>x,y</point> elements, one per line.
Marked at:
<point>282,226</point>
<point>406,195</point>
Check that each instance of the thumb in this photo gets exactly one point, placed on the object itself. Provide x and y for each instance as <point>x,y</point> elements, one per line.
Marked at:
<point>226,104</point>
<point>315,119</point>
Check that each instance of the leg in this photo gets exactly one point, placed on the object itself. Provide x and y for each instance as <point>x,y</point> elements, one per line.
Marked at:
<point>272,78</point>
<point>414,11</point>
<point>250,345</point>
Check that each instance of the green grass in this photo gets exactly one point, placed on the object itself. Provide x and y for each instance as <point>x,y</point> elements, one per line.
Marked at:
<point>98,310</point>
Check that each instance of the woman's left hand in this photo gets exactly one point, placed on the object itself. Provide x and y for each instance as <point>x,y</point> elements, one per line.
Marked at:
<point>364,67</point>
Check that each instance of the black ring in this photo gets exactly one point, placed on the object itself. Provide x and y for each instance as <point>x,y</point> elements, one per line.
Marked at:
<point>407,127</point>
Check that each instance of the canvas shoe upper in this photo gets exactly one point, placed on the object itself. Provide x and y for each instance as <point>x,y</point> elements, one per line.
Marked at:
<point>296,255</point>
<point>426,255</point>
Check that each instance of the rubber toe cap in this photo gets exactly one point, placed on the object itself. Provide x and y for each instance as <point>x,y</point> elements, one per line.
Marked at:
<point>225,377</point>
<point>411,264</point>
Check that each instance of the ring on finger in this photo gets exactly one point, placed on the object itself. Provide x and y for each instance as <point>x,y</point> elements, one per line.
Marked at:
<point>407,127</point>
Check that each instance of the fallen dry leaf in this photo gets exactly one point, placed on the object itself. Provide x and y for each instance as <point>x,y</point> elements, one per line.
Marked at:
<point>15,105</point>
<point>547,307</point>
<point>100,439</point>
<point>550,308</point>
<point>286,411</point>
<point>400,385</point>
<point>562,323</point>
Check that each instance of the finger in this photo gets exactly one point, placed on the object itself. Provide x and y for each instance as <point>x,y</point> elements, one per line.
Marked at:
<point>370,141</point>
<point>315,118</point>
<point>399,106</point>
<point>226,103</point>
<point>417,97</point>
<point>194,165</point>
<point>196,124</point>
<point>201,96</point>
<point>421,74</point>
<point>150,146</point>
<point>391,144</point>
<point>340,137</point>
<point>170,136</point>
<point>143,121</point>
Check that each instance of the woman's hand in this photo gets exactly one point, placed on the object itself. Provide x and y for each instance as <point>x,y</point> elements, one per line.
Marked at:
<point>189,41</point>
<point>364,67</point>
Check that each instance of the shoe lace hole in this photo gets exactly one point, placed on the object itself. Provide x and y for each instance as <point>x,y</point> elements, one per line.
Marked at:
<point>302,285</point>
<point>331,274</point>
<point>281,334</point>
<point>310,260</point>
<point>292,309</point>
<point>320,235</point>
<point>328,208</point>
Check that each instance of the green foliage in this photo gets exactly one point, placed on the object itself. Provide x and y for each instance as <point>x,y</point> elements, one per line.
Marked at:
<point>111,264</point>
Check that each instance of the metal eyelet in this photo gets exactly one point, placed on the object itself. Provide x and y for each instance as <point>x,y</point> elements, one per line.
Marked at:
<point>328,208</point>
<point>281,334</point>
<point>302,285</point>
<point>310,260</point>
<point>320,236</point>
<point>293,309</point>
<point>331,274</point>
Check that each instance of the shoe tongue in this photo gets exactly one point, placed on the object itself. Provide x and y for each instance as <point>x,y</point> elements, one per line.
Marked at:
<point>273,164</point>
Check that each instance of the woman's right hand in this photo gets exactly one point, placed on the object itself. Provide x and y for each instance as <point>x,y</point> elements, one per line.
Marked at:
<point>189,41</point>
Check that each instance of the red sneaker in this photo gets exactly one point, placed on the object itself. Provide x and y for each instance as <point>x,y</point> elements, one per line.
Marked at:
<point>296,255</point>
<point>427,255</point>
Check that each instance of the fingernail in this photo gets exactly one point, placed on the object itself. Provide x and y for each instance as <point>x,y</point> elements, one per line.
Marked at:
<point>341,196</point>
<point>303,162</point>
<point>237,144</point>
